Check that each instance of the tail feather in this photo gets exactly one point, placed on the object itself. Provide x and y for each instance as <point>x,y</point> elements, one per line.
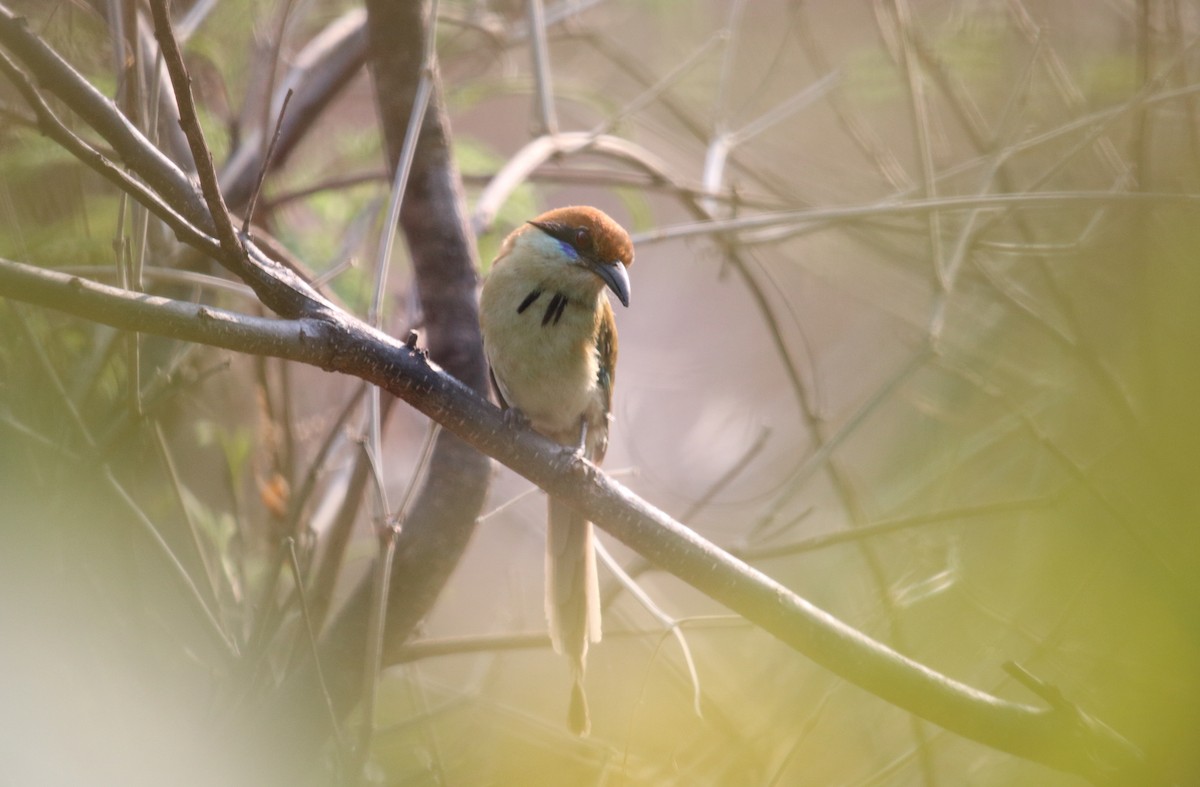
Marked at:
<point>578,719</point>
<point>572,598</point>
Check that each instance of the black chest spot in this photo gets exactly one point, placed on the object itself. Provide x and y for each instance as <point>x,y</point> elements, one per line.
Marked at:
<point>529,299</point>
<point>554,310</point>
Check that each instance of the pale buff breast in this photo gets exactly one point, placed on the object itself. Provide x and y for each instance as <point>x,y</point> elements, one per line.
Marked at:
<point>545,373</point>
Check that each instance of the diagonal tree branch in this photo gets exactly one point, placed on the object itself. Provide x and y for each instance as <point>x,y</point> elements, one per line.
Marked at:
<point>340,343</point>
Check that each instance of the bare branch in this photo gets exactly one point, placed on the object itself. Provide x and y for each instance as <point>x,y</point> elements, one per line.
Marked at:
<point>543,77</point>
<point>349,346</point>
<point>191,128</point>
<point>262,174</point>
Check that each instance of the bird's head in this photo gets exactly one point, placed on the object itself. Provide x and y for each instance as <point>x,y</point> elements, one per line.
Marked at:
<point>589,241</point>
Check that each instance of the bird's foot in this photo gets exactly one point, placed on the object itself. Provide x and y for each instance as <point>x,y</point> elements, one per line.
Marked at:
<point>571,459</point>
<point>515,419</point>
<point>570,453</point>
<point>410,342</point>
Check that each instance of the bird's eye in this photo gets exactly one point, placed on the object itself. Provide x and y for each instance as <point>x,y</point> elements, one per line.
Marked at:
<point>583,238</point>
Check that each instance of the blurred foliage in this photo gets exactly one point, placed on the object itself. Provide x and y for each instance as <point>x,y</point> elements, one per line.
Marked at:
<point>63,210</point>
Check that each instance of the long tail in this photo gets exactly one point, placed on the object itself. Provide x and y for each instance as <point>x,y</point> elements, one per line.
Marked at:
<point>572,599</point>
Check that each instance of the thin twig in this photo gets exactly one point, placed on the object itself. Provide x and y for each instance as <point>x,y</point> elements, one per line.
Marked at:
<point>337,534</point>
<point>199,281</point>
<point>537,640</point>
<point>857,128</point>
<point>403,168</point>
<point>817,218</point>
<point>915,83</point>
<point>272,68</point>
<point>311,635</point>
<point>542,74</point>
<point>262,173</point>
<point>392,527</point>
<point>724,143</point>
<point>207,614</point>
<point>669,624</point>
<point>416,122</point>
<point>654,92</point>
<point>720,109</point>
<point>885,527</point>
<point>335,183</point>
<point>729,476</point>
<point>299,498</point>
<point>185,510</point>
<point>209,185</point>
<point>130,98</point>
<point>421,467</point>
<point>375,639</point>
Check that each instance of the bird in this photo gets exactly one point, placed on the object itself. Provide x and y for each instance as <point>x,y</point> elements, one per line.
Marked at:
<point>550,338</point>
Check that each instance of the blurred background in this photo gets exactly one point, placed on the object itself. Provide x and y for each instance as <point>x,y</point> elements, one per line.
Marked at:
<point>914,331</point>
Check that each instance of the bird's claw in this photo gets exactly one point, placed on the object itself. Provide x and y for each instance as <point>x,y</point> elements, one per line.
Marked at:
<point>410,342</point>
<point>515,419</point>
<point>571,452</point>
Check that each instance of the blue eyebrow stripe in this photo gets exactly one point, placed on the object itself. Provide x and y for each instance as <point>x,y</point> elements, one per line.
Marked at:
<point>568,249</point>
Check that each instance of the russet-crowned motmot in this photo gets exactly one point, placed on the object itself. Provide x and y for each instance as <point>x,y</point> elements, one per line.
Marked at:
<point>551,340</point>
